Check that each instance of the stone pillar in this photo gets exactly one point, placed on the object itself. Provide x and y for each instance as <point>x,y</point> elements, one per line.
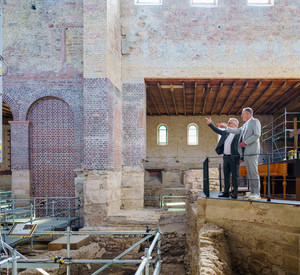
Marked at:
<point>134,144</point>
<point>101,93</point>
<point>20,159</point>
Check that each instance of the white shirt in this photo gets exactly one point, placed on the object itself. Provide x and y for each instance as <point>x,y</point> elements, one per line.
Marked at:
<point>227,144</point>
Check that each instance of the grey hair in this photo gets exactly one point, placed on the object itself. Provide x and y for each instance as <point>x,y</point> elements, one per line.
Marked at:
<point>248,110</point>
<point>236,122</point>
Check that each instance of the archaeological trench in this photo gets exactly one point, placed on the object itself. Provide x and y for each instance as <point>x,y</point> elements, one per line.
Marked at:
<point>212,236</point>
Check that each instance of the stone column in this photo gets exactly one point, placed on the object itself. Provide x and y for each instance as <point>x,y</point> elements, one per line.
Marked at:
<point>20,159</point>
<point>134,144</point>
<point>101,93</point>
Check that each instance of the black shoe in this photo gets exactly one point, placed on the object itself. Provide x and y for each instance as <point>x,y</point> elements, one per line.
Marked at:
<point>224,195</point>
<point>234,196</point>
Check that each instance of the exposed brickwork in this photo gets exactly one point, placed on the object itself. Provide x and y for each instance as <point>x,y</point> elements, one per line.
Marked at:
<point>117,131</point>
<point>21,93</point>
<point>134,132</point>
<point>96,124</point>
<point>100,97</point>
<point>19,145</point>
<point>12,104</point>
<point>52,148</point>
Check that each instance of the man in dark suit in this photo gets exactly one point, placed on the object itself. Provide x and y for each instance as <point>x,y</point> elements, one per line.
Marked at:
<point>228,146</point>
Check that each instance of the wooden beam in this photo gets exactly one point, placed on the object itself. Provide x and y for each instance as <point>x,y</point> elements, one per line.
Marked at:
<point>263,93</point>
<point>206,90</point>
<point>289,96</point>
<point>172,91</point>
<point>149,111</point>
<point>295,134</point>
<point>228,96</point>
<point>217,96</point>
<point>195,98</point>
<point>238,97</point>
<point>150,94</point>
<point>163,99</point>
<point>251,93</point>
<point>274,93</point>
<point>184,104</point>
<point>280,99</point>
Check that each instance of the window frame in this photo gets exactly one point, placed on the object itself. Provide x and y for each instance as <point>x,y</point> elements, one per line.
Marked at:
<point>204,5</point>
<point>136,2</point>
<point>197,134</point>
<point>167,139</point>
<point>257,4</point>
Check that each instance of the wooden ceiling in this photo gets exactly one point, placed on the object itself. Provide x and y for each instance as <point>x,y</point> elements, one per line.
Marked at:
<point>6,112</point>
<point>221,96</point>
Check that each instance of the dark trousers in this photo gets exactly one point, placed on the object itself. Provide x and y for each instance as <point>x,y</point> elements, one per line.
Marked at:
<point>231,166</point>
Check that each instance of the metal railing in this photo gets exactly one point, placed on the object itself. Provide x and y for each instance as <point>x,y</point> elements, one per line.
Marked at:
<point>35,208</point>
<point>21,261</point>
<point>263,159</point>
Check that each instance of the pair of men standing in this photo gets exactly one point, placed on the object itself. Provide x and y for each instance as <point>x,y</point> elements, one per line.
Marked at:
<point>238,145</point>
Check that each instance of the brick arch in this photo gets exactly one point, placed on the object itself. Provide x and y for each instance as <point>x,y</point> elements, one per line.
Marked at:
<point>52,150</point>
<point>74,101</point>
<point>13,106</point>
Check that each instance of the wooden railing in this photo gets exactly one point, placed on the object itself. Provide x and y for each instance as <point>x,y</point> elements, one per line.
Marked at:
<point>276,170</point>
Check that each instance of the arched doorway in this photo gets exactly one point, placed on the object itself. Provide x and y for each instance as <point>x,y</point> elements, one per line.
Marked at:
<point>5,165</point>
<point>52,148</point>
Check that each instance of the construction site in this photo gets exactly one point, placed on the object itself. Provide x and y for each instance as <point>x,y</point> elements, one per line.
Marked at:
<point>107,162</point>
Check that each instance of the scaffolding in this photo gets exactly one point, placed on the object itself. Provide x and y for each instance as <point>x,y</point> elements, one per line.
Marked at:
<point>276,135</point>
<point>16,260</point>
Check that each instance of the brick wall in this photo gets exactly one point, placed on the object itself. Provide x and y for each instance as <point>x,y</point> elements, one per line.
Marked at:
<point>117,132</point>
<point>52,148</point>
<point>101,100</point>
<point>20,145</point>
<point>134,131</point>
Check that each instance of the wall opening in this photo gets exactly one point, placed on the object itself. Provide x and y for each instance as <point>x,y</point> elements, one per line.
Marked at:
<point>52,148</point>
<point>5,165</point>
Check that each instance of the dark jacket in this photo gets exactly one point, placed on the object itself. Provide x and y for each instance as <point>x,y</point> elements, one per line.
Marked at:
<point>220,147</point>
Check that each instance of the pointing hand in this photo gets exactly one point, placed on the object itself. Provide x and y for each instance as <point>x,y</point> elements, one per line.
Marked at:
<point>208,120</point>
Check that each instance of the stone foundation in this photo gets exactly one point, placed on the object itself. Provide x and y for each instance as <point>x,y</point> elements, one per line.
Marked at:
<point>132,192</point>
<point>102,194</point>
<point>193,179</point>
<point>213,251</point>
<point>263,237</point>
<point>21,183</point>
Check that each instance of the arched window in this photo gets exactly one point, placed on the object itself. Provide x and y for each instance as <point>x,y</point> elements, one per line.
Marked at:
<point>162,135</point>
<point>192,134</point>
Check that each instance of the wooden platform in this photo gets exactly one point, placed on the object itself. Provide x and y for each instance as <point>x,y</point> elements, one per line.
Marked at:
<point>75,242</point>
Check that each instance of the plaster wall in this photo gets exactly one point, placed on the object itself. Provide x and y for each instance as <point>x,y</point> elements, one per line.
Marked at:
<point>34,40</point>
<point>228,41</point>
<point>177,154</point>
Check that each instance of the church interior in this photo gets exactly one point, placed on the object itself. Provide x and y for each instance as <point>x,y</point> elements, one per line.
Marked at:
<point>105,140</point>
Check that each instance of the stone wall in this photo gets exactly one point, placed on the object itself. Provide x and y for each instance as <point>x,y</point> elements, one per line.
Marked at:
<point>177,154</point>
<point>175,40</point>
<point>193,179</point>
<point>263,237</point>
<point>214,254</point>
